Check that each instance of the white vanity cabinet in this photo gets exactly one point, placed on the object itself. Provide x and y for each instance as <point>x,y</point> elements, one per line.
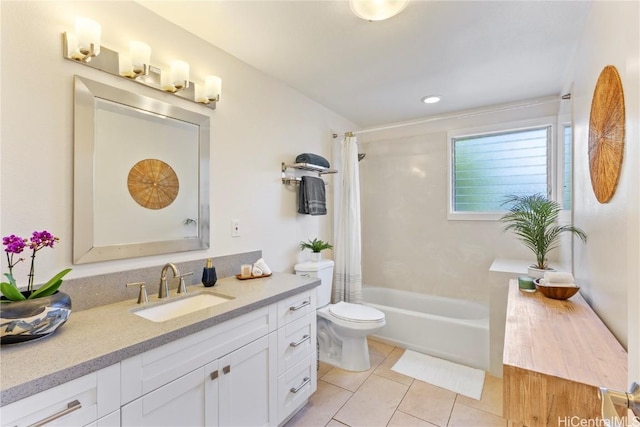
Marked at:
<point>235,390</point>
<point>93,399</point>
<point>206,378</point>
<point>228,375</point>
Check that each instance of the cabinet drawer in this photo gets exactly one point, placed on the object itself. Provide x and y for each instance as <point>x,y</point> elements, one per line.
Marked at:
<point>148,371</point>
<point>295,386</point>
<point>296,340</point>
<point>296,306</point>
<point>78,402</point>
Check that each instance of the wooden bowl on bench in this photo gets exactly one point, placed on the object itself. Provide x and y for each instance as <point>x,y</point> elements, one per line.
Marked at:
<point>556,292</point>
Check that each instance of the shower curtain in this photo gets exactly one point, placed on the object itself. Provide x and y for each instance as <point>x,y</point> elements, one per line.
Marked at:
<point>347,277</point>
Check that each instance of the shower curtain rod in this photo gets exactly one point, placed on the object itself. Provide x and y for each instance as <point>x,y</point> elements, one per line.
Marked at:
<point>470,113</point>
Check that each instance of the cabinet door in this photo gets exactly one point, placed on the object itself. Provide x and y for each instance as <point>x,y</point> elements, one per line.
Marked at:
<point>212,393</point>
<point>111,420</point>
<point>179,403</point>
<point>248,384</point>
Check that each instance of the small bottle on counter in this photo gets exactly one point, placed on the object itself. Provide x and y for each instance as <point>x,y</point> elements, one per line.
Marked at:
<point>209,277</point>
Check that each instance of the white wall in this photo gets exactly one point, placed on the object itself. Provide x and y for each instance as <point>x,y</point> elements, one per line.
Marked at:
<point>408,242</point>
<point>259,123</point>
<point>608,266</point>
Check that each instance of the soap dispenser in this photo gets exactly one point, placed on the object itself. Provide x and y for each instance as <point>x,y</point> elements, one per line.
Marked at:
<point>209,277</point>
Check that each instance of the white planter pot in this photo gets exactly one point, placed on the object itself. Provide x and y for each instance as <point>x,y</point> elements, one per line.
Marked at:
<point>316,256</point>
<point>537,273</point>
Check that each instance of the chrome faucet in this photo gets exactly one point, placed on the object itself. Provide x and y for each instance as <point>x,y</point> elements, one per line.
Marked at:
<point>612,398</point>
<point>163,291</point>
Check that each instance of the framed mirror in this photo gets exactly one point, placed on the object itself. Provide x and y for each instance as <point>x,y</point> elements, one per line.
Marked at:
<point>141,175</point>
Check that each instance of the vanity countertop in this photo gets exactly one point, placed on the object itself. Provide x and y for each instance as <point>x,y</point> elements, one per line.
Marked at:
<point>99,337</point>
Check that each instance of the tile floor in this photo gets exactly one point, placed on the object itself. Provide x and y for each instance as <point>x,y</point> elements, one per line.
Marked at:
<point>382,397</point>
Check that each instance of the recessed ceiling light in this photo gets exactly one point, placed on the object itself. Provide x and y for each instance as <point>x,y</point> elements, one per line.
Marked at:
<point>431,99</point>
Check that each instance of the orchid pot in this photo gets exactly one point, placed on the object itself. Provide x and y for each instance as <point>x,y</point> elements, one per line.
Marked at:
<point>32,313</point>
<point>33,318</point>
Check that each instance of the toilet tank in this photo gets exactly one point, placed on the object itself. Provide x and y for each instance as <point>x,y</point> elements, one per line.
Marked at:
<point>324,271</point>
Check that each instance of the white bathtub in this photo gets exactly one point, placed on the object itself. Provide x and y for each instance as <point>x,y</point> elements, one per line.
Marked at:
<point>451,329</point>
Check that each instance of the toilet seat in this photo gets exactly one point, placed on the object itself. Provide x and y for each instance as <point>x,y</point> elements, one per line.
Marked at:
<point>357,313</point>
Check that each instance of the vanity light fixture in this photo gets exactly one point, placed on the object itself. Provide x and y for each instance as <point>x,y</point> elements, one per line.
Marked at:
<point>180,75</point>
<point>85,43</point>
<point>211,91</point>
<point>177,78</point>
<point>377,10</point>
<point>136,62</point>
<point>431,99</point>
<point>83,47</point>
<point>140,57</point>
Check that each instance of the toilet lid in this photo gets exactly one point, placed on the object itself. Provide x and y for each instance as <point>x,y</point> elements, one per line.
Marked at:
<point>355,312</point>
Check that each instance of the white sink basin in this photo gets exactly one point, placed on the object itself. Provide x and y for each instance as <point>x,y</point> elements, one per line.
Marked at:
<point>172,309</point>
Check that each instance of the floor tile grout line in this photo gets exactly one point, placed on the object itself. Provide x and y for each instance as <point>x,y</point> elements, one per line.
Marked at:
<point>418,418</point>
<point>478,409</point>
<point>336,385</point>
<point>399,403</point>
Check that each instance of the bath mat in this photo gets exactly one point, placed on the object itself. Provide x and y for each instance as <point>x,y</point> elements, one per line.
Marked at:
<point>442,373</point>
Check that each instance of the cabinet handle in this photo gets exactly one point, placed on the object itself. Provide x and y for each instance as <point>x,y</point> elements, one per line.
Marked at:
<point>214,375</point>
<point>71,406</point>
<point>305,381</point>
<point>302,305</point>
<point>226,369</point>
<point>304,338</point>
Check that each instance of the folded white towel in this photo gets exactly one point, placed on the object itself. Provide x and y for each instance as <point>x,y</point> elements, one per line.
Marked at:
<point>263,266</point>
<point>558,277</point>
<point>556,284</point>
<point>256,271</point>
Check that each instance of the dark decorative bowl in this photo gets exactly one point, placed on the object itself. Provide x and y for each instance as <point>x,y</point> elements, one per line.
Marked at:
<point>557,292</point>
<point>34,318</point>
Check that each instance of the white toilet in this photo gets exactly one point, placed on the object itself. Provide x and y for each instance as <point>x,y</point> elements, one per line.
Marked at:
<point>342,327</point>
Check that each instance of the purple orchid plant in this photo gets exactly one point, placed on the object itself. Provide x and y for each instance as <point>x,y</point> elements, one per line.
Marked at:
<point>15,245</point>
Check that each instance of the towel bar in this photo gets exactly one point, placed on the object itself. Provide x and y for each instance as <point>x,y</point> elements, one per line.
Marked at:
<point>287,180</point>
<point>293,180</point>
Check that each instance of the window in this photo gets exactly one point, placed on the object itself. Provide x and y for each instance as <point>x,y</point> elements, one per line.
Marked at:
<point>488,167</point>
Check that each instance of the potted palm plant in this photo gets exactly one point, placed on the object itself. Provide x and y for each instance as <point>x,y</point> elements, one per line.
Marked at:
<point>316,246</point>
<point>534,219</point>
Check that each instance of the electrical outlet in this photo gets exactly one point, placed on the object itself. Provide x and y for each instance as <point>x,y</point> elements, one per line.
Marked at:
<point>235,228</point>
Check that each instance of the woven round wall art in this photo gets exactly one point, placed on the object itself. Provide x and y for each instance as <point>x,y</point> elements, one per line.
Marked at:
<point>606,134</point>
<point>153,184</point>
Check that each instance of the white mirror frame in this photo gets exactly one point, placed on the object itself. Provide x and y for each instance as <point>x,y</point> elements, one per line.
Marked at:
<point>84,248</point>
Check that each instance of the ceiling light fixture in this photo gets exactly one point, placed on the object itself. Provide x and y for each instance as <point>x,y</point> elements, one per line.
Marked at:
<point>431,99</point>
<point>377,10</point>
